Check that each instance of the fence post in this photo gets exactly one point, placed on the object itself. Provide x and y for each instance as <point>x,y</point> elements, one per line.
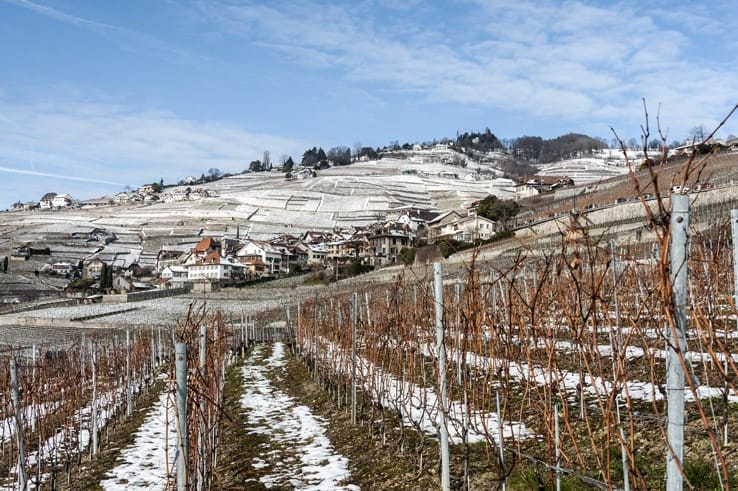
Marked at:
<point>153,355</point>
<point>289,335</point>
<point>180,350</point>
<point>129,401</point>
<point>443,428</point>
<point>676,340</point>
<point>623,455</point>
<point>354,321</point>
<point>18,423</point>
<point>557,437</point>
<point>93,363</point>
<point>500,442</point>
<point>203,423</point>
<point>734,231</point>
<point>368,310</point>
<point>34,360</point>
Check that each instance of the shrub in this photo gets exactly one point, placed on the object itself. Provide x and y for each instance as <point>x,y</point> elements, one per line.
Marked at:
<point>407,254</point>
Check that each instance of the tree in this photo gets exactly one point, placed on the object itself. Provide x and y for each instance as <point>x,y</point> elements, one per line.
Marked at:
<point>288,165</point>
<point>310,157</point>
<point>368,152</point>
<point>214,173</point>
<point>340,155</point>
<point>498,210</point>
<point>104,277</point>
<point>407,254</point>
<point>697,134</point>
<point>321,156</point>
<point>255,166</point>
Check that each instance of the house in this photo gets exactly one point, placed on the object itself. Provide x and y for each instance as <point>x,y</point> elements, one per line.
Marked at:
<point>438,223</point>
<point>549,183</point>
<point>47,201</point>
<point>467,229</point>
<point>314,253</point>
<point>414,218</point>
<point>202,249</point>
<point>214,267</point>
<point>198,193</point>
<point>344,248</point>
<point>148,188</point>
<point>63,268</point>
<point>96,202</point>
<point>526,191</point>
<point>92,267</point>
<point>169,256</point>
<point>255,268</point>
<point>178,195</point>
<point>61,201</point>
<point>388,244</point>
<point>270,255</point>
<point>176,273</point>
<point>123,284</point>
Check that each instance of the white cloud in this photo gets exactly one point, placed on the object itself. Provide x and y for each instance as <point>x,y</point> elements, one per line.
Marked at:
<point>112,143</point>
<point>574,60</point>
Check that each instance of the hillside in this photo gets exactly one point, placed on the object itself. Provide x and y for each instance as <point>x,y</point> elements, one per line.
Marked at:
<point>263,205</point>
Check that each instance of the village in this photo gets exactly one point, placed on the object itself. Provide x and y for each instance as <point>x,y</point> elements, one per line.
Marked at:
<point>94,259</point>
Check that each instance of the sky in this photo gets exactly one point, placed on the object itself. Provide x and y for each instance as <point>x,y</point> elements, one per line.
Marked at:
<point>97,95</point>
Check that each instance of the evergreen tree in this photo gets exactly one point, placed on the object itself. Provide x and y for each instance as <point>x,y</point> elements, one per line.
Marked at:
<point>499,210</point>
<point>289,164</point>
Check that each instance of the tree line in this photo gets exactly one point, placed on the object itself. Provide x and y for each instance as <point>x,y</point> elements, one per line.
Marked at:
<point>524,150</point>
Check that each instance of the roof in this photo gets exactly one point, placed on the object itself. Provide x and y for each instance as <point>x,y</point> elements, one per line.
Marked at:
<point>442,216</point>
<point>206,244</point>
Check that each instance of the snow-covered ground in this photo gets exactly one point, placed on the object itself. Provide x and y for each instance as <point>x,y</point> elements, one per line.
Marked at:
<point>420,406</point>
<point>306,459</point>
<point>150,459</point>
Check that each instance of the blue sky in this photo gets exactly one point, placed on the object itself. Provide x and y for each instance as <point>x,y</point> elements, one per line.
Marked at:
<point>99,94</point>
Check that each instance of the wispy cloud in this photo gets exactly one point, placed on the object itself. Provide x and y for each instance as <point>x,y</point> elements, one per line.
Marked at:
<point>26,172</point>
<point>574,60</point>
<point>115,143</point>
<point>127,38</point>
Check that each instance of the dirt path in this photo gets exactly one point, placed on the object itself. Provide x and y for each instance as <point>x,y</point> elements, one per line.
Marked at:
<point>284,432</point>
